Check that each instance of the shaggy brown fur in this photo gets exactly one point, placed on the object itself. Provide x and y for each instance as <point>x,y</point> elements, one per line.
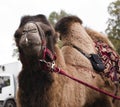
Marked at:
<point>40,88</point>
<point>36,87</point>
<point>72,32</point>
<point>98,36</point>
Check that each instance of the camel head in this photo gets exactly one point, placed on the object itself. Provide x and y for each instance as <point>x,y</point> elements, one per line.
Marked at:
<point>63,26</point>
<point>33,35</point>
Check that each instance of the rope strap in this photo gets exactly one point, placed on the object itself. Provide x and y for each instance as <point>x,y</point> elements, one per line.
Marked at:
<point>59,71</point>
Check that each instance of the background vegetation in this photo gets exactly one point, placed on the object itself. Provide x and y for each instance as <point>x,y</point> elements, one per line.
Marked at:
<point>113,28</point>
<point>113,24</point>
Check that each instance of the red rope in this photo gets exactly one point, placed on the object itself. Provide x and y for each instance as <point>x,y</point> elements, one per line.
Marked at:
<point>59,71</point>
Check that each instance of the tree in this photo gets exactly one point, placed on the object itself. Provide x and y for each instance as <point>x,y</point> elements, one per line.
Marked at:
<point>54,16</point>
<point>113,28</point>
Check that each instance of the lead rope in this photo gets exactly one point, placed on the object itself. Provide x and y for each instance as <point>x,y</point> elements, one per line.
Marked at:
<point>52,68</point>
<point>59,71</point>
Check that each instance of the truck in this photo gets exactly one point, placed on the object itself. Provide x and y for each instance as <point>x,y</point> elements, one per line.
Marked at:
<point>7,90</point>
<point>8,84</point>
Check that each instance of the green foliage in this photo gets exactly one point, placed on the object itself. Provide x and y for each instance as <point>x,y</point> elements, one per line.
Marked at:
<point>113,28</point>
<point>116,43</point>
<point>54,16</point>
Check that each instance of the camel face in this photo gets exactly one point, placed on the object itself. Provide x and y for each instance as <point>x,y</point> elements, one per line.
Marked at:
<point>30,39</point>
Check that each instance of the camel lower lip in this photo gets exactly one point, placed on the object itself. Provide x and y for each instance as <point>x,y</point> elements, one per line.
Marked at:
<point>31,49</point>
<point>30,45</point>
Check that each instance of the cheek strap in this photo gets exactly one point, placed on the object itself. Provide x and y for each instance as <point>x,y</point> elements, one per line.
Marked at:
<point>48,55</point>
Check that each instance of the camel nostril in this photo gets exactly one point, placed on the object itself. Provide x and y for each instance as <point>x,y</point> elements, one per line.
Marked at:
<point>26,40</point>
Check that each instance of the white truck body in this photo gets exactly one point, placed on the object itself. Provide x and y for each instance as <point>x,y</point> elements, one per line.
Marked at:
<point>8,84</point>
<point>7,88</point>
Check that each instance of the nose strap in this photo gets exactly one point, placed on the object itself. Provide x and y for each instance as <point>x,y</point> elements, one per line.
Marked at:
<point>47,54</point>
<point>41,33</point>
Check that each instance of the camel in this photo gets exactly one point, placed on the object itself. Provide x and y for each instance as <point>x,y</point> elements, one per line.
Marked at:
<point>38,85</point>
<point>76,40</point>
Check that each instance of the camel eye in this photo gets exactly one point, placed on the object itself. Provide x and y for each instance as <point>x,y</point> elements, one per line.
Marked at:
<point>29,31</point>
<point>48,33</point>
<point>23,32</point>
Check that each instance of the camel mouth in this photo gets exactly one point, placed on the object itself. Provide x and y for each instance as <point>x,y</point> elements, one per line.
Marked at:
<point>31,49</point>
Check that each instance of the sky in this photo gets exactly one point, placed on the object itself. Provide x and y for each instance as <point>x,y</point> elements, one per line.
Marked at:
<point>93,13</point>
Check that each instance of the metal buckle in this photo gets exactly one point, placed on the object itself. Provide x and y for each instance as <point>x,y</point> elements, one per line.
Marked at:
<point>50,65</point>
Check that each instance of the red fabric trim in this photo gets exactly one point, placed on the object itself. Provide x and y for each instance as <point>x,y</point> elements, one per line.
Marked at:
<point>110,59</point>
